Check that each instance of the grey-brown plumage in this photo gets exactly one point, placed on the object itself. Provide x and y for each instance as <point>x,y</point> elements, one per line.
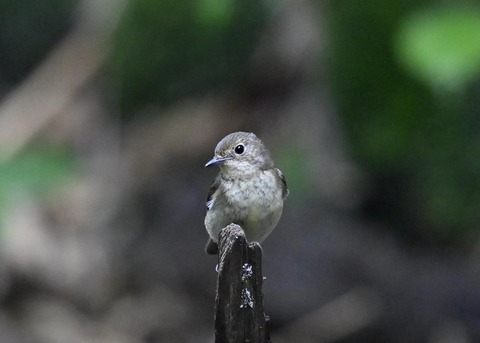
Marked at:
<point>248,191</point>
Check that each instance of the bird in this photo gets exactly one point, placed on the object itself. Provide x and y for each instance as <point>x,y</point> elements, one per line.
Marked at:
<point>248,191</point>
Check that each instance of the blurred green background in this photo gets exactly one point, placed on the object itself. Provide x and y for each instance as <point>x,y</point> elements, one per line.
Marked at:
<point>109,111</point>
<point>406,78</point>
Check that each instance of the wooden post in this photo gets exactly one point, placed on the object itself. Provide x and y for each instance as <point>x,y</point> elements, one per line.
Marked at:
<point>239,315</point>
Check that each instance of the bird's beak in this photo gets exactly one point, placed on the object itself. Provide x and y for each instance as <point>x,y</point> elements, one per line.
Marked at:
<point>216,160</point>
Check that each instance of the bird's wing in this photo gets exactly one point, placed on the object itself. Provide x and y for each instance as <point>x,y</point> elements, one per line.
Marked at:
<point>283,183</point>
<point>211,191</point>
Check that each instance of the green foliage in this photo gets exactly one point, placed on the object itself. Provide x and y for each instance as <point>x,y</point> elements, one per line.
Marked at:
<point>381,108</point>
<point>38,171</point>
<point>418,133</point>
<point>164,50</point>
<point>442,46</point>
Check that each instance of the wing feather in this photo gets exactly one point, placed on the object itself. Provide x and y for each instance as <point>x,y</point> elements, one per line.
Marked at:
<point>283,181</point>
<point>213,188</point>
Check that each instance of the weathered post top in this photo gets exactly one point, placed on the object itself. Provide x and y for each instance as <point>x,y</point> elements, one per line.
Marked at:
<point>239,315</point>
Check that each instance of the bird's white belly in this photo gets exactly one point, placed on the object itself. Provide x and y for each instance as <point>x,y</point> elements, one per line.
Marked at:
<point>255,204</point>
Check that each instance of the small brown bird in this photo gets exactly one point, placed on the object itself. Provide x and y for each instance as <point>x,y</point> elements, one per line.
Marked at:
<point>248,191</point>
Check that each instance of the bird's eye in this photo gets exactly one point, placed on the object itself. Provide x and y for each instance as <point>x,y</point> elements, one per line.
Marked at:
<point>239,149</point>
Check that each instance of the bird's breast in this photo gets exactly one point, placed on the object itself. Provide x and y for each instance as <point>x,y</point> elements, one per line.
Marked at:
<point>254,197</point>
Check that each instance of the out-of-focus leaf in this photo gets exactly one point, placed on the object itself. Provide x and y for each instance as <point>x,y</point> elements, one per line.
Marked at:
<point>441,46</point>
<point>37,171</point>
<point>214,12</point>
<point>426,147</point>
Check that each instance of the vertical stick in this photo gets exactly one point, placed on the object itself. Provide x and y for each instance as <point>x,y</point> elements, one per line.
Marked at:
<point>239,315</point>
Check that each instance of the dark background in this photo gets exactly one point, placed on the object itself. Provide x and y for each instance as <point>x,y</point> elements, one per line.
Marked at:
<point>110,109</point>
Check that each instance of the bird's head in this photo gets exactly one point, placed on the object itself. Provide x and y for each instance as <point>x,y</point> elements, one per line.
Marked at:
<point>243,152</point>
